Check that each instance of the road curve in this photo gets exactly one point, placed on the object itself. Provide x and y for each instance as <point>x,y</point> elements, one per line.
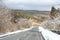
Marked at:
<point>32,34</point>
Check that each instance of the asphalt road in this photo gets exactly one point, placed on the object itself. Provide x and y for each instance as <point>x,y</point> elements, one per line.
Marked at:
<point>32,34</point>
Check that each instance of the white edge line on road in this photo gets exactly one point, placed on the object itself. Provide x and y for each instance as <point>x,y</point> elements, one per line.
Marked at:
<point>9,33</point>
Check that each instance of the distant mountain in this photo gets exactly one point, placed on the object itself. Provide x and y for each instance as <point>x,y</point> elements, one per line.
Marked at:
<point>34,11</point>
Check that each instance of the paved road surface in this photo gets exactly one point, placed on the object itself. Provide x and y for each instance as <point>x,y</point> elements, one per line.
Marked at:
<point>32,34</point>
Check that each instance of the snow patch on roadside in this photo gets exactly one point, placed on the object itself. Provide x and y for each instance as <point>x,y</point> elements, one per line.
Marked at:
<point>48,35</point>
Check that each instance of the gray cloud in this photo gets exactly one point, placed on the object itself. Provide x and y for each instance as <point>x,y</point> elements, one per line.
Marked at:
<point>32,4</point>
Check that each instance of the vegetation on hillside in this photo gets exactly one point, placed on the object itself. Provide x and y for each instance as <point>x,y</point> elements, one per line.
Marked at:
<point>18,14</point>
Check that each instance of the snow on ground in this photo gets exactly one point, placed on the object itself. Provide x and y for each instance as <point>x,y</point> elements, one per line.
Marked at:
<point>48,35</point>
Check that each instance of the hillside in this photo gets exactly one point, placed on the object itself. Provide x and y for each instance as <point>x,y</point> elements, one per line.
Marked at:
<point>12,20</point>
<point>54,22</point>
<point>34,16</point>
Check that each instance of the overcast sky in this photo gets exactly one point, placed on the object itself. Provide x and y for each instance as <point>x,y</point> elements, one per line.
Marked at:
<point>32,4</point>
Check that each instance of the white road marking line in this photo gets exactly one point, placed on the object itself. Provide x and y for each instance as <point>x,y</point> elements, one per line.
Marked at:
<point>9,33</point>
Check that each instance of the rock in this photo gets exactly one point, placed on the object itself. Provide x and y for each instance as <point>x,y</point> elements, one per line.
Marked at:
<point>54,13</point>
